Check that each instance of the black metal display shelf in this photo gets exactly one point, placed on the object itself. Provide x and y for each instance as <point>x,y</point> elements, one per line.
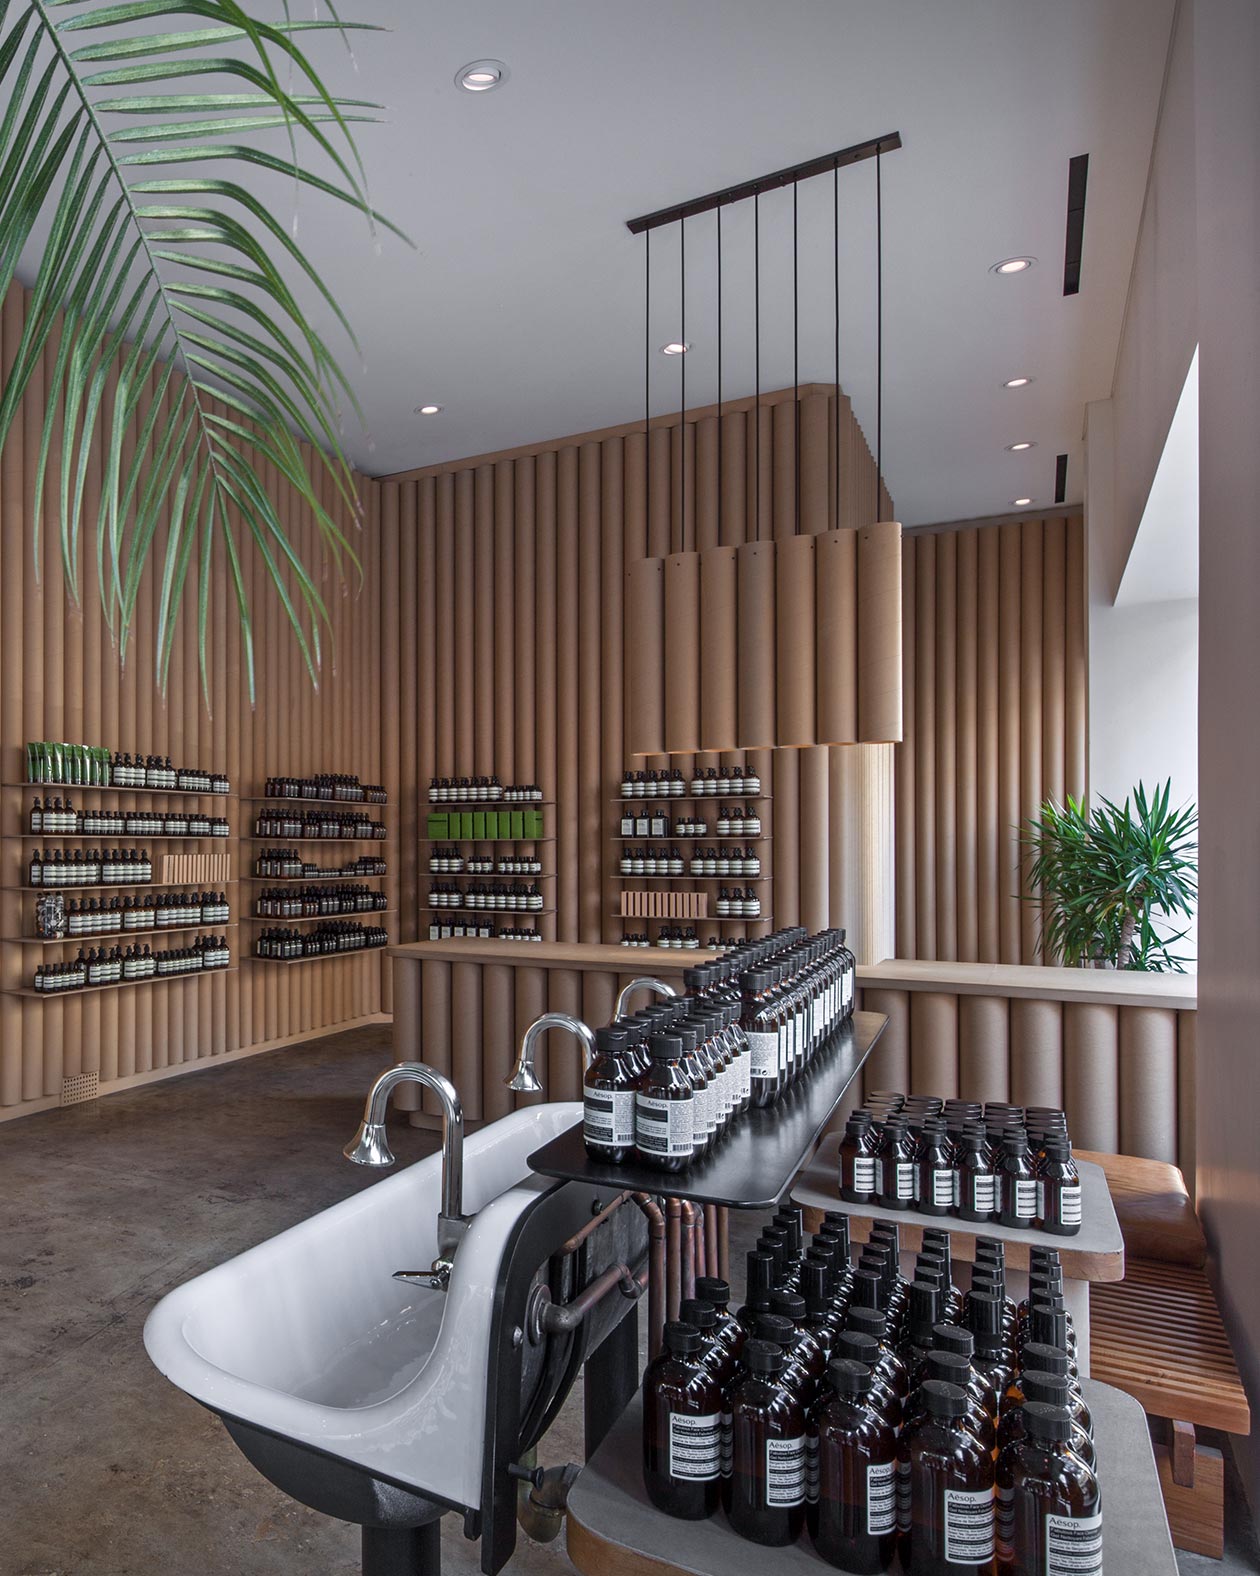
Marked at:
<point>688,876</point>
<point>87,990</point>
<point>186,793</point>
<point>761,1153</point>
<point>323,875</point>
<point>318,919</point>
<point>283,837</point>
<point>148,933</point>
<point>127,886</point>
<point>441,841</point>
<point>322,957</point>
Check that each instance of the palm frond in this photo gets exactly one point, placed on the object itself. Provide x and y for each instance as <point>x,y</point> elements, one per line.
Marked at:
<point>165,298</point>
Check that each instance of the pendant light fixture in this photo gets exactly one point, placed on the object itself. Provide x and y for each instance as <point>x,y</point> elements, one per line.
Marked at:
<point>793,638</point>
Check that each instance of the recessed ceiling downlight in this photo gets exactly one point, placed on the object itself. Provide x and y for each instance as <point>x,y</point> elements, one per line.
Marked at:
<point>1020,503</point>
<point>479,76</point>
<point>676,347</point>
<point>428,410</point>
<point>1018,448</point>
<point>1017,383</point>
<point>1013,265</point>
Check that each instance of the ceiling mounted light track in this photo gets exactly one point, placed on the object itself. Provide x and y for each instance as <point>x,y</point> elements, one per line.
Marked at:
<point>794,640</point>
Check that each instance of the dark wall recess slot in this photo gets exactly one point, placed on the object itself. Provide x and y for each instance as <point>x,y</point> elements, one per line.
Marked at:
<point>1060,478</point>
<point>1078,173</point>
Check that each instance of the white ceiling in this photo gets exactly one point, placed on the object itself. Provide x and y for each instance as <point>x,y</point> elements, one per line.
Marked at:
<point>521,308</point>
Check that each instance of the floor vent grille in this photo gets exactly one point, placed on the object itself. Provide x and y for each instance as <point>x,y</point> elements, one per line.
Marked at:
<point>80,1087</point>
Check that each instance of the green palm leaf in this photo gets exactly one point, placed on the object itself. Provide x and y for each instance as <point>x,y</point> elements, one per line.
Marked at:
<point>164,297</point>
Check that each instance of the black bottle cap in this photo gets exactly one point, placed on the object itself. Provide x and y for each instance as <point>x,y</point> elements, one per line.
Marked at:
<point>858,1346</point>
<point>1052,1389</point>
<point>774,1327</point>
<point>763,1357</point>
<point>761,1263</point>
<point>1047,1424</point>
<point>953,1338</point>
<point>790,1304</point>
<point>925,1310</point>
<point>848,1377</point>
<point>869,1290</point>
<point>1015,1141</point>
<point>948,1366</point>
<point>934,1237</point>
<point>612,1038</point>
<point>713,1290</point>
<point>870,1321</point>
<point>1058,1148</point>
<point>1045,1359</point>
<point>682,1339</point>
<point>665,1047</point>
<point>1048,1325</point>
<point>984,1314</point>
<point>815,1277</point>
<point>944,1400</point>
<point>702,1314</point>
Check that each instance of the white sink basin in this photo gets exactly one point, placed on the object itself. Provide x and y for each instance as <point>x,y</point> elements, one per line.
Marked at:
<point>307,1336</point>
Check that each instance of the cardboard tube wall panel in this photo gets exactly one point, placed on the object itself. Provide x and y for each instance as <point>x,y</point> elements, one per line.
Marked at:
<point>564,1054</point>
<point>815,850</point>
<point>965,804</point>
<point>1010,916</point>
<point>1031,670</point>
<point>498,1011</point>
<point>835,586</point>
<point>1036,1052</point>
<point>983,1048</point>
<point>879,633</point>
<point>876,813</point>
<point>947,786</point>
<point>787,835</point>
<point>682,652</point>
<point>567,750</point>
<point>1091,1084</point>
<point>1054,660</point>
<point>907,766</point>
<point>1187,1098</point>
<point>645,656</point>
<point>1148,1082</point>
<point>925,756</point>
<point>933,1043</point>
<point>719,648</point>
<point>545,669</point>
<point>612,718</point>
<point>989,891</point>
<point>756,698</point>
<point>795,691</point>
<point>592,904</point>
<point>524,688</point>
<point>888,1066</point>
<point>1076,676</point>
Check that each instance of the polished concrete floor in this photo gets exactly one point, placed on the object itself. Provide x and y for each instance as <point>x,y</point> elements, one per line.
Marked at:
<point>105,1468</point>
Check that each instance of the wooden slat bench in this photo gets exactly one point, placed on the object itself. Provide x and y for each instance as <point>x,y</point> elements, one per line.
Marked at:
<point>1158,1335</point>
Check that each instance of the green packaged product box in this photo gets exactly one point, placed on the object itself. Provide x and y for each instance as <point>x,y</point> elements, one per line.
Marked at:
<point>479,825</point>
<point>533,823</point>
<point>439,826</point>
<point>493,829</point>
<point>517,818</point>
<point>465,823</point>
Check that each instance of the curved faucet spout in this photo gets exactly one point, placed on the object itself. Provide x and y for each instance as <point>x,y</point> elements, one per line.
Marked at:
<point>524,1080</point>
<point>644,982</point>
<point>369,1146</point>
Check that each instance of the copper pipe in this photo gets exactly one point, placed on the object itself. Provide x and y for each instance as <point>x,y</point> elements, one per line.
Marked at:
<point>673,1256</point>
<point>724,1242</point>
<point>580,1236</point>
<point>656,1272</point>
<point>687,1248</point>
<point>711,1239</point>
<point>698,1255</point>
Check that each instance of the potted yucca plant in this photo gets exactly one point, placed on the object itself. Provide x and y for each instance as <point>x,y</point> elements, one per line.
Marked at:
<point>1114,882</point>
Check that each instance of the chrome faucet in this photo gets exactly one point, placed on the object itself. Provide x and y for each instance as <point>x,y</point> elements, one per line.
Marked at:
<point>644,982</point>
<point>369,1147</point>
<point>524,1079</point>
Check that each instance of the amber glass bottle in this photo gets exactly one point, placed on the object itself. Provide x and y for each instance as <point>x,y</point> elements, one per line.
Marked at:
<point>608,1097</point>
<point>853,1520</point>
<point>682,1423</point>
<point>859,1164</point>
<point>1049,1505</point>
<point>1060,1189</point>
<point>1050,1390</point>
<point>664,1122</point>
<point>727,1329</point>
<point>1017,1185</point>
<point>765,1492</point>
<point>944,1490</point>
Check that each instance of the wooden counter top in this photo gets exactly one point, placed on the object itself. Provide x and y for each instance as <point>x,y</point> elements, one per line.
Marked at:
<point>607,958</point>
<point>1103,987</point>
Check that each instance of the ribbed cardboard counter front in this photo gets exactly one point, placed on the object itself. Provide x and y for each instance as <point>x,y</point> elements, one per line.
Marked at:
<point>462,1007</point>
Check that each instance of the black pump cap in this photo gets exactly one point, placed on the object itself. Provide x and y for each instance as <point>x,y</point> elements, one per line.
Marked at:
<point>1047,1424</point>
<point>815,1277</point>
<point>788,1303</point>
<point>990,1250</point>
<point>951,1338</point>
<point>870,1321</point>
<point>611,1038</point>
<point>774,1327</point>
<point>869,1290</point>
<point>763,1357</point>
<point>857,1346</point>
<point>682,1339</point>
<point>944,1400</point>
<point>1052,1389</point>
<point>836,1226</point>
<point>925,1310</point>
<point>984,1314</point>
<point>713,1290</point>
<point>760,1275</point>
<point>1047,1325</point>
<point>665,1047</point>
<point>847,1377</point>
<point>949,1366</point>
<point>702,1314</point>
<point>1045,1359</point>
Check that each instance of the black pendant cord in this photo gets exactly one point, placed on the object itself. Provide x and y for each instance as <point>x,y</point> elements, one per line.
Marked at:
<point>682,371</point>
<point>835,403</point>
<point>757,362</point>
<point>647,389</point>
<point>719,374</point>
<point>879,337</point>
<point>796,365</point>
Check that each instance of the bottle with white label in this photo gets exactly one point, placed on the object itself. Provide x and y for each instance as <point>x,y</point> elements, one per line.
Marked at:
<point>1017,1182</point>
<point>1059,1184</point>
<point>664,1113</point>
<point>859,1164</point>
<point>977,1181</point>
<point>937,1179</point>
<point>1053,1390</point>
<point>1049,1508</point>
<point>764,1495</point>
<point>609,1089</point>
<point>852,1517</point>
<point>944,1490</point>
<point>898,1170</point>
<point>760,1022</point>
<point>682,1428</point>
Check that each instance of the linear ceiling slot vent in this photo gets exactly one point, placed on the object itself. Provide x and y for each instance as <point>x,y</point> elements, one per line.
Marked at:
<point>1078,173</point>
<point>1060,478</point>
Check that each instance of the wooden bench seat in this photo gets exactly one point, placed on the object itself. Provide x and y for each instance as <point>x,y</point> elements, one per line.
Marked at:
<point>1158,1334</point>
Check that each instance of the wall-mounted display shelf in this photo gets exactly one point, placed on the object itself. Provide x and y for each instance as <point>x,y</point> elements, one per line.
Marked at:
<point>693,798</point>
<point>277,920</point>
<point>696,837</point>
<point>693,920</point>
<point>481,823</point>
<point>279,837</point>
<point>521,913</point>
<point>486,839</point>
<point>315,803</point>
<point>155,979</point>
<point>50,838</point>
<point>169,793</point>
<point>121,886</point>
<point>322,957</point>
<point>148,935</point>
<point>739,881</point>
<point>323,875</point>
<point>436,807</point>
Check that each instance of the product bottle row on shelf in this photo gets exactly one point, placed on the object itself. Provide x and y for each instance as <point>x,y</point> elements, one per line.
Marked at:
<point>648,861</point>
<point>730,821</point>
<point>314,902</point>
<point>456,925</point>
<point>53,816</point>
<point>117,965</point>
<point>711,782</point>
<point>63,867</point>
<point>481,790</point>
<point>450,862</point>
<point>499,897</point>
<point>885,1417</point>
<point>57,917</point>
<point>328,940</point>
<point>484,825</point>
<point>673,938</point>
<point>335,824</point>
<point>342,786</point>
<point>91,766</point>
<point>275,864</point>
